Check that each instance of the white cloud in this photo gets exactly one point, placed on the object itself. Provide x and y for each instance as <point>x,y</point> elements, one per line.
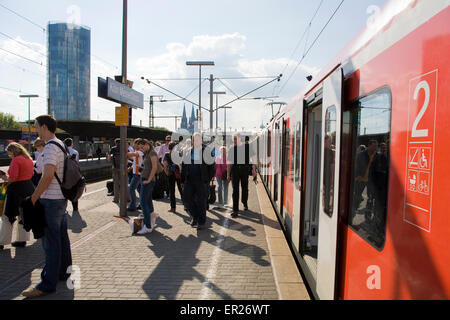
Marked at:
<point>226,51</point>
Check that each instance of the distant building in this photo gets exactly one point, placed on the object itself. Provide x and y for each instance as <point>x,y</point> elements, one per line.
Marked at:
<point>188,125</point>
<point>69,71</point>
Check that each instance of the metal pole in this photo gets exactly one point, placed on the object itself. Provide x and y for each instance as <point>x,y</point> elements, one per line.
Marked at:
<point>150,120</point>
<point>211,107</point>
<point>200,98</point>
<point>225,122</point>
<point>123,129</point>
<point>217,111</point>
<point>29,127</point>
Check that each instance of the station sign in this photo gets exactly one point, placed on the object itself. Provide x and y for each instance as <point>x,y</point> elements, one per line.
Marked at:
<point>113,90</point>
<point>421,150</point>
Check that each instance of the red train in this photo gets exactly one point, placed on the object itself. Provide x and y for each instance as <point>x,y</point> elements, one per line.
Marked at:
<point>357,165</point>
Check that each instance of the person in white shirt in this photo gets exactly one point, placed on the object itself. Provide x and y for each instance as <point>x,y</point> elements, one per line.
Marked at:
<point>56,243</point>
<point>39,144</point>
<point>75,155</point>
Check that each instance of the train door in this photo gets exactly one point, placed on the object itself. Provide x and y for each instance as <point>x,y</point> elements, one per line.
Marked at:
<point>276,164</point>
<point>329,185</point>
<point>283,167</point>
<point>310,197</point>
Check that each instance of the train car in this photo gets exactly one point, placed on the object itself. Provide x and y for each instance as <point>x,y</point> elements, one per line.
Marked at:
<point>355,165</point>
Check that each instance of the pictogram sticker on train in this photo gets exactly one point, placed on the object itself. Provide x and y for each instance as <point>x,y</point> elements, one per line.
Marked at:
<point>417,209</point>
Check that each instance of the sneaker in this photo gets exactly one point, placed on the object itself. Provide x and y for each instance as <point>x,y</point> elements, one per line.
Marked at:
<point>153,218</point>
<point>171,210</point>
<point>234,214</point>
<point>144,230</point>
<point>194,224</point>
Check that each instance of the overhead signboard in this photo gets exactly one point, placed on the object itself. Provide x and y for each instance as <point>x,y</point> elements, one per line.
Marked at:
<point>118,92</point>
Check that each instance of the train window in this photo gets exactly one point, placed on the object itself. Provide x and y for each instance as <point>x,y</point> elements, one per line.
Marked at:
<point>371,126</point>
<point>298,153</point>
<point>329,160</point>
<point>287,146</point>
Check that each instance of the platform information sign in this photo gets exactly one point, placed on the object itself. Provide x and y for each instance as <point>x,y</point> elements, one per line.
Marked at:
<point>421,149</point>
<point>121,118</point>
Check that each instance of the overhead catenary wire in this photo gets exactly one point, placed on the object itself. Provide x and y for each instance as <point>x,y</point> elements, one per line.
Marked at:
<point>20,56</point>
<point>23,44</point>
<point>310,47</point>
<point>303,35</point>
<point>25,18</point>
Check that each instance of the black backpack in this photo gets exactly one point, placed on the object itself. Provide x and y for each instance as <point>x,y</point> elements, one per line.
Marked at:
<point>73,183</point>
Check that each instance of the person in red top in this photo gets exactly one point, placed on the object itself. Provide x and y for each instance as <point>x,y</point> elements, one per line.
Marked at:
<point>20,186</point>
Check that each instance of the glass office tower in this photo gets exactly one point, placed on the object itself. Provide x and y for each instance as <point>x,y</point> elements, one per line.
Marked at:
<point>69,71</point>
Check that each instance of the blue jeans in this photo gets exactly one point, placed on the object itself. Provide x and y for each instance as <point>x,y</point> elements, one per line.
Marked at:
<point>56,244</point>
<point>147,202</point>
<point>135,182</point>
<point>222,187</point>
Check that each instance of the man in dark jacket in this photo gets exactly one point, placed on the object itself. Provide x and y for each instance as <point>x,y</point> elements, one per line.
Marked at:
<point>195,173</point>
<point>240,166</point>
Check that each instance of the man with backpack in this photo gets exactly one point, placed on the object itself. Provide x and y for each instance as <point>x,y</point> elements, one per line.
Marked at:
<point>56,243</point>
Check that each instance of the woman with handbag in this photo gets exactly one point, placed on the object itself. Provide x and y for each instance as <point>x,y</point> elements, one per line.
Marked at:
<point>221,176</point>
<point>19,187</point>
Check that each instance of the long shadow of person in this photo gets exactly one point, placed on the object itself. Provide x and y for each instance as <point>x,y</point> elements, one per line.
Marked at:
<point>16,265</point>
<point>176,266</point>
<point>76,222</point>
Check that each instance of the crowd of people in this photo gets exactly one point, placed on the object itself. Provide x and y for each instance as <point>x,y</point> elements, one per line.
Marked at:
<point>36,201</point>
<point>191,166</point>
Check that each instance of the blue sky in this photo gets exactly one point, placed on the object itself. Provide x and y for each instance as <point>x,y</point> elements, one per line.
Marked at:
<point>244,38</point>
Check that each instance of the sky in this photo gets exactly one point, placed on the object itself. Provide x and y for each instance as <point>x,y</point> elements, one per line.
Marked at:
<point>255,39</point>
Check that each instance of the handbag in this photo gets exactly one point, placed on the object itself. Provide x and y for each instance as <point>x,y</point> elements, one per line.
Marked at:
<point>212,194</point>
<point>3,188</point>
<point>135,223</point>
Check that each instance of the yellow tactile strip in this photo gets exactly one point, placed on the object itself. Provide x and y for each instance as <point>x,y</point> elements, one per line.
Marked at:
<point>287,276</point>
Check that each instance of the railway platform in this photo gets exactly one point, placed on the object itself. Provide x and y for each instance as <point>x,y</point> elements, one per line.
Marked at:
<point>243,258</point>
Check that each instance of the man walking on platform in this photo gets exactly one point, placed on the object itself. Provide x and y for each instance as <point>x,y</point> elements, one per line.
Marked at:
<point>195,173</point>
<point>238,169</point>
<point>56,243</point>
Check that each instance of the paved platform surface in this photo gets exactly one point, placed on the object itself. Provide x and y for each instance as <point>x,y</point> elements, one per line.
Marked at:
<point>234,258</point>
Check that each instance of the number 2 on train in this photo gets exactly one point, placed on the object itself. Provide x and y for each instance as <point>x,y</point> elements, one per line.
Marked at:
<point>423,132</point>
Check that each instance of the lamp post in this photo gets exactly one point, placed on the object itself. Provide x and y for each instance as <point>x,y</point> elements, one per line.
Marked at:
<point>217,104</point>
<point>225,118</point>
<point>200,64</point>
<point>29,96</point>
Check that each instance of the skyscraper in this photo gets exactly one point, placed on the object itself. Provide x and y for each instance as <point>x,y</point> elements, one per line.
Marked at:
<point>69,71</point>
